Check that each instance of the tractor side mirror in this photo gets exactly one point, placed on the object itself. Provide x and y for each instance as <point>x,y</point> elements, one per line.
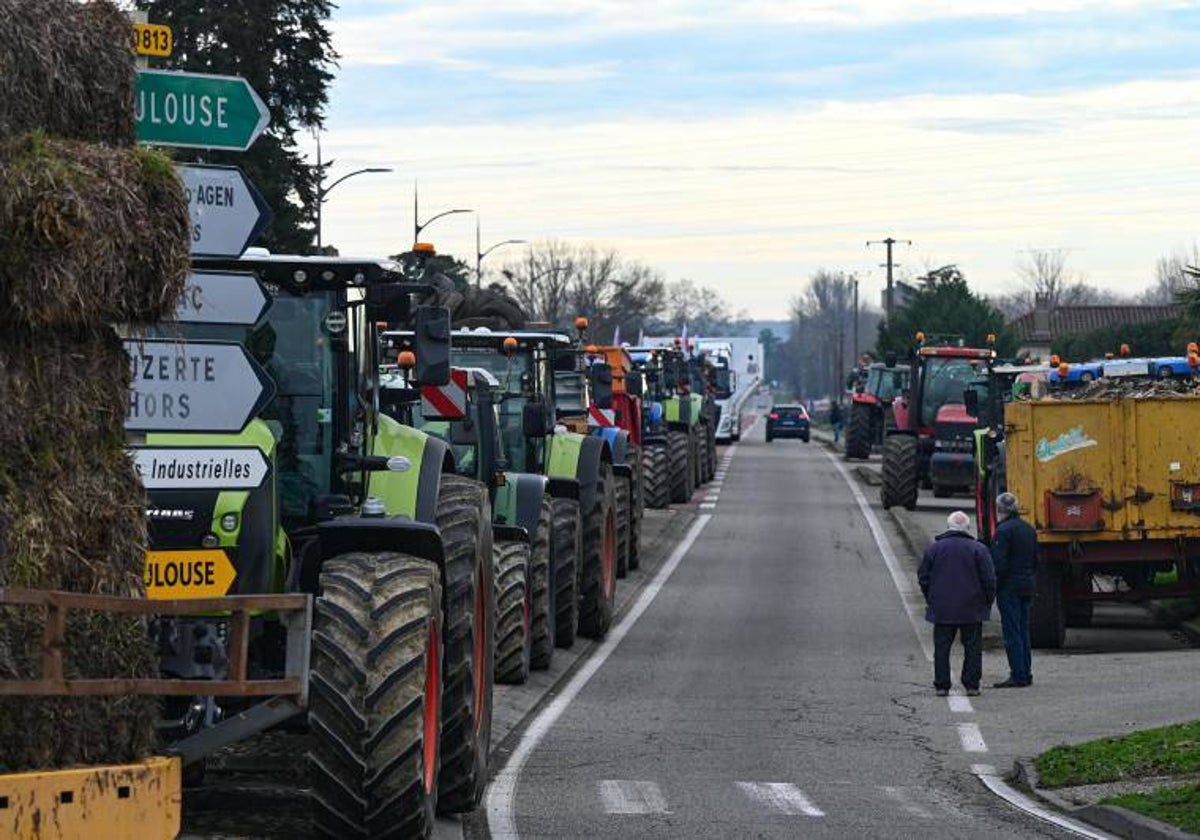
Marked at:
<point>971,401</point>
<point>602,384</point>
<point>431,344</point>
<point>462,432</point>
<point>635,385</point>
<point>534,423</point>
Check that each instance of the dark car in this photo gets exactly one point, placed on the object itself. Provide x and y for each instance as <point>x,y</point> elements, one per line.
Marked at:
<point>787,421</point>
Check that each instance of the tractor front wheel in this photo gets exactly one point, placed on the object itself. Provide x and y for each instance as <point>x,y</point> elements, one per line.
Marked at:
<point>598,572</point>
<point>680,466</point>
<point>514,610</point>
<point>858,433</point>
<point>568,546</point>
<point>624,514</point>
<point>656,475</point>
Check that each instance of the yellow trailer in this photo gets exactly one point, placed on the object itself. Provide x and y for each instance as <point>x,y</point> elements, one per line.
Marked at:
<point>1113,487</point>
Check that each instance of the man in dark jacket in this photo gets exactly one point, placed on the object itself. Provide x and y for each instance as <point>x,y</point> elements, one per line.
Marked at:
<point>959,583</point>
<point>1014,553</point>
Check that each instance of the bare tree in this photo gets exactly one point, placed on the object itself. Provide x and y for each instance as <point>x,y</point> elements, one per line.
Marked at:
<point>1171,276</point>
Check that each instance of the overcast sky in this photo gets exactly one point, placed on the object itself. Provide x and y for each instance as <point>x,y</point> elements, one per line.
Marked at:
<point>747,143</point>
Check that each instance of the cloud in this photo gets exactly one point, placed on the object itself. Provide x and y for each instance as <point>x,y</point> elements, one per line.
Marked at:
<point>558,75</point>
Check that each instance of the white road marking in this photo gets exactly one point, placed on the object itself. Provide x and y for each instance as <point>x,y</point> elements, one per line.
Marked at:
<point>960,704</point>
<point>632,797</point>
<point>712,497</point>
<point>971,738</point>
<point>906,804</point>
<point>502,794</point>
<point>911,596</point>
<point>707,506</point>
<point>992,781</point>
<point>782,797</point>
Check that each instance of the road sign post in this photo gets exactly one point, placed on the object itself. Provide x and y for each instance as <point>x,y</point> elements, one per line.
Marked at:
<point>215,297</point>
<point>195,386</point>
<point>227,212</point>
<point>197,110</point>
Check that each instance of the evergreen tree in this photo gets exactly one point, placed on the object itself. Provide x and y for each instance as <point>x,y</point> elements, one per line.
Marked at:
<point>283,49</point>
<point>945,307</point>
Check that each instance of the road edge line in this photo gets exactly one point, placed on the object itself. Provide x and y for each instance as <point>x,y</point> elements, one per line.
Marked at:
<point>994,783</point>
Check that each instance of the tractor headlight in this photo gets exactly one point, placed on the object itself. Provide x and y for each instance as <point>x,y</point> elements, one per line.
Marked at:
<point>229,522</point>
<point>210,541</point>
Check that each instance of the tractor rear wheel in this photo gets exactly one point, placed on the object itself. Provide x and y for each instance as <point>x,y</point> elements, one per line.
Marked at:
<point>858,432</point>
<point>1048,613</point>
<point>637,508</point>
<point>901,462</point>
<point>680,463</point>
<point>697,450</point>
<point>598,572</point>
<point>464,518</point>
<point>544,595</point>
<point>567,550</point>
<point>514,610</point>
<point>656,475</point>
<point>375,703</point>
<point>624,513</point>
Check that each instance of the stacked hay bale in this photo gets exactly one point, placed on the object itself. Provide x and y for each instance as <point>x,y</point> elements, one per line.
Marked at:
<point>93,232</point>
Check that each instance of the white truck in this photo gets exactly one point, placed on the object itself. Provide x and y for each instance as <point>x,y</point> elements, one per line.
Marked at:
<point>742,358</point>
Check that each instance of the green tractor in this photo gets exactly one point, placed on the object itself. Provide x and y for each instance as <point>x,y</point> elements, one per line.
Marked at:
<point>370,516</point>
<point>661,463</point>
<point>703,381</point>
<point>684,415</point>
<point>579,468</point>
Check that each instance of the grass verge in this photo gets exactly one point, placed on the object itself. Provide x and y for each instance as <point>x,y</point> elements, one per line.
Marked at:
<point>1178,806</point>
<point>1165,751</point>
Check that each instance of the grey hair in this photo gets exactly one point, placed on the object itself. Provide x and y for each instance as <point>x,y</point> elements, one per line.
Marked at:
<point>958,521</point>
<point>1007,503</point>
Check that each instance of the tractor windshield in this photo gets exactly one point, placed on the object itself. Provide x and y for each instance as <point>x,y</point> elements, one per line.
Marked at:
<point>945,380</point>
<point>724,383</point>
<point>882,382</point>
<point>513,373</point>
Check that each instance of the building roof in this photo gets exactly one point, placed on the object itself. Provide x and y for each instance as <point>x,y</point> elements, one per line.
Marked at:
<point>1064,320</point>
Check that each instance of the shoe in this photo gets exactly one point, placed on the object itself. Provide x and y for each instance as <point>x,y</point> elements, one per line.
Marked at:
<point>972,692</point>
<point>1011,683</point>
<point>943,692</point>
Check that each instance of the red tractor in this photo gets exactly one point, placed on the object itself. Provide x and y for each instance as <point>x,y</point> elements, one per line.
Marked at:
<point>934,440</point>
<point>871,407</point>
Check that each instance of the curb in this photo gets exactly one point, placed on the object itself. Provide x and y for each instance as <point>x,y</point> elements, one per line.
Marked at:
<point>1113,818</point>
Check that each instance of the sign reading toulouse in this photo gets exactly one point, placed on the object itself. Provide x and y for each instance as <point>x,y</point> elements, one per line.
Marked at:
<point>197,386</point>
<point>222,298</point>
<point>217,468</point>
<point>227,212</point>
<point>197,109</point>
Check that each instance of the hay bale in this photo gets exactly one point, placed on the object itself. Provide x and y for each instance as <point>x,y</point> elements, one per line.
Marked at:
<point>66,68</point>
<point>93,234</point>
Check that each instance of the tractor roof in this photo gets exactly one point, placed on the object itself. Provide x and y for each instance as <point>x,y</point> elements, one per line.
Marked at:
<point>297,272</point>
<point>958,352</point>
<point>485,338</point>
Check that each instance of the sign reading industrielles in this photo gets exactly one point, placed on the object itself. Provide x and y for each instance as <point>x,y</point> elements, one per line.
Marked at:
<point>196,468</point>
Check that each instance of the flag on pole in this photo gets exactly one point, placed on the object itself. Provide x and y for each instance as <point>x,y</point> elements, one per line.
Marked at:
<point>683,339</point>
<point>641,337</point>
<point>617,336</point>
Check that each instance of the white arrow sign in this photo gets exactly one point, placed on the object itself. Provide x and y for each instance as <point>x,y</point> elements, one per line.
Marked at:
<point>196,386</point>
<point>222,298</point>
<point>227,211</point>
<point>201,468</point>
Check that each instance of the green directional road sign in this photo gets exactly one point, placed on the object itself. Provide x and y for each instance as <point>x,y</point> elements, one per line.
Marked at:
<point>198,110</point>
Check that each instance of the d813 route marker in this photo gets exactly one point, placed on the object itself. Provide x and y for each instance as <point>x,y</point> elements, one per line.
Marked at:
<point>227,212</point>
<point>153,39</point>
<point>214,297</point>
<point>195,386</point>
<point>201,467</point>
<point>199,573</point>
<point>198,110</point>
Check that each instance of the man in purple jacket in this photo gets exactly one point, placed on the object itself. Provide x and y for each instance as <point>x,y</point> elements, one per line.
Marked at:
<point>959,584</point>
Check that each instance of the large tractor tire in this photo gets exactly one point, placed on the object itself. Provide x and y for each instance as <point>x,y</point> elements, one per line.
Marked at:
<point>1048,613</point>
<point>712,452</point>
<point>598,572</point>
<point>696,447</point>
<point>464,518</point>
<point>901,463</point>
<point>375,708</point>
<point>514,611</point>
<point>568,541</point>
<point>544,596</point>
<point>624,513</point>
<point>680,462</point>
<point>638,508</point>
<point>858,433</point>
<point>656,475</point>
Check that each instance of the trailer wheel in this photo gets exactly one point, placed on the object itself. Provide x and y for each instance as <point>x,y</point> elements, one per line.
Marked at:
<point>567,549</point>
<point>514,611</point>
<point>901,461</point>
<point>624,514</point>
<point>680,465</point>
<point>656,475</point>
<point>545,595</point>
<point>464,518</point>
<point>375,696</point>
<point>598,572</point>
<point>1048,614</point>
<point>858,433</point>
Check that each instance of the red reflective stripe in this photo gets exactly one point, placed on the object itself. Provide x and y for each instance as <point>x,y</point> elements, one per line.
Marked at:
<point>442,402</point>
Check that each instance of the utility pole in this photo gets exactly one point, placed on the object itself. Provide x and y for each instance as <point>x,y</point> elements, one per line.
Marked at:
<point>890,304</point>
<point>854,280</point>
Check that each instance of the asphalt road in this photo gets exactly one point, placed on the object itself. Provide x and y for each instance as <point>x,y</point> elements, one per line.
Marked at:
<point>774,687</point>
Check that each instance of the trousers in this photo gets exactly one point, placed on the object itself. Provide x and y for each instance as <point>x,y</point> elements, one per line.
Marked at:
<point>972,642</point>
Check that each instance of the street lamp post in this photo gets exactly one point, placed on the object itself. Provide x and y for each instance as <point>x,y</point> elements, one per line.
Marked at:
<point>419,226</point>
<point>480,254</point>
<point>322,192</point>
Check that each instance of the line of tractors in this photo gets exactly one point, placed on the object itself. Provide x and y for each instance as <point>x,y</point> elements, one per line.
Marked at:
<point>457,502</point>
<point>1099,454</point>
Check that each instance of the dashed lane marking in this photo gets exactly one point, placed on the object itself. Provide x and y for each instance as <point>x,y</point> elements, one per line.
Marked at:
<point>708,506</point>
<point>960,704</point>
<point>781,797</point>
<point>971,738</point>
<point>622,796</point>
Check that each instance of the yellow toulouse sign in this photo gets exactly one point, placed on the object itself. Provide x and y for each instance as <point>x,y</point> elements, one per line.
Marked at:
<point>200,573</point>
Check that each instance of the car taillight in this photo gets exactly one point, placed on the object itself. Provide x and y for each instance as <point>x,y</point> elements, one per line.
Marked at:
<point>774,415</point>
